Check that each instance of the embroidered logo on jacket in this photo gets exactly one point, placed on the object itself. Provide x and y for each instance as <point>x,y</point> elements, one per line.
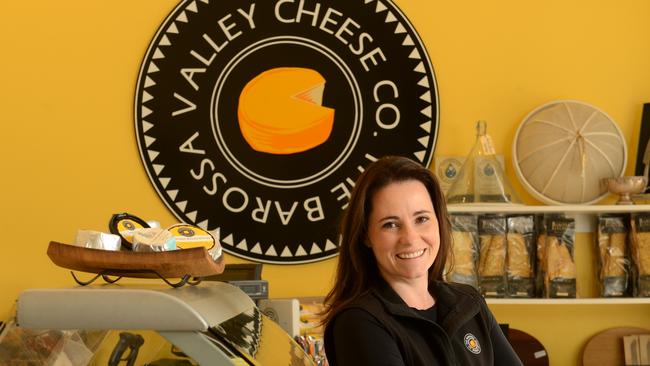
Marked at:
<point>472,343</point>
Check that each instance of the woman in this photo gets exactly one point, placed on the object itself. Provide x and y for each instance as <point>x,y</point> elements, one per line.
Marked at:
<point>389,304</point>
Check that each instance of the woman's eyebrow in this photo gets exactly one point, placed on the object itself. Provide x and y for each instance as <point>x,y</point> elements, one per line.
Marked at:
<point>388,218</point>
<point>421,212</point>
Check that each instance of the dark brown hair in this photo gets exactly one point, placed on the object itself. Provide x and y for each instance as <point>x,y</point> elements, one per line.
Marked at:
<point>357,269</point>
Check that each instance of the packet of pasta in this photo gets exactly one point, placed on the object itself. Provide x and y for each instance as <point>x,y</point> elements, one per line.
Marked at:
<point>520,255</point>
<point>492,255</point>
<point>540,251</point>
<point>613,262</point>
<point>640,251</point>
<point>560,274</point>
<point>461,265</point>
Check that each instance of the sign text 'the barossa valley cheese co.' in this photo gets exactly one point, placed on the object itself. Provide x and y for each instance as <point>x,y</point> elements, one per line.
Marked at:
<point>255,118</point>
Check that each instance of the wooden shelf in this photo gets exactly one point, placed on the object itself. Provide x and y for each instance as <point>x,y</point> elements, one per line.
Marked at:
<point>590,209</point>
<point>579,301</point>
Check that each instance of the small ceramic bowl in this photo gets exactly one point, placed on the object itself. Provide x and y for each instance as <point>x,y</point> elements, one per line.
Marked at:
<point>625,187</point>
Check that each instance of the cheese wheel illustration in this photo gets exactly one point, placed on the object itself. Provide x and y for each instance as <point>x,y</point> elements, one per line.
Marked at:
<point>280,111</point>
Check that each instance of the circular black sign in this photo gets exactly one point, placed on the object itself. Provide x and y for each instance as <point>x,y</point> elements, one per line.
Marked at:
<point>254,119</point>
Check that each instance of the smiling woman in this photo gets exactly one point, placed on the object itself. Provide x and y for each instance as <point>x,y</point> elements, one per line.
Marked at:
<point>389,304</point>
<point>404,238</point>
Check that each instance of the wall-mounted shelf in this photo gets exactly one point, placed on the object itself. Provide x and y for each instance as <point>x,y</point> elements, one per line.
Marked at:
<point>585,215</point>
<point>586,222</point>
<point>582,301</point>
<point>592,209</point>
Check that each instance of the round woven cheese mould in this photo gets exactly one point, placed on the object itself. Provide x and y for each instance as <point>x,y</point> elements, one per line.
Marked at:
<point>563,149</point>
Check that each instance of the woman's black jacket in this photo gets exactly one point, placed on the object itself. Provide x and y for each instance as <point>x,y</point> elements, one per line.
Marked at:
<point>380,329</point>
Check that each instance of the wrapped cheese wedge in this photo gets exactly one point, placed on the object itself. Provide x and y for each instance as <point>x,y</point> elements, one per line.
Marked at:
<point>97,240</point>
<point>190,236</point>
<point>153,240</point>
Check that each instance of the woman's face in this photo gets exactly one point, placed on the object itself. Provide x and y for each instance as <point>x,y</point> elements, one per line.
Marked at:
<point>403,231</point>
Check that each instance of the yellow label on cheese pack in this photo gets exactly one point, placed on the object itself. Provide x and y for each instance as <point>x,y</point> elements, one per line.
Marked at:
<point>190,236</point>
<point>126,228</point>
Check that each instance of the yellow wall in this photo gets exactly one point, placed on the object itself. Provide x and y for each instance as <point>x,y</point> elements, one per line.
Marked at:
<point>69,158</point>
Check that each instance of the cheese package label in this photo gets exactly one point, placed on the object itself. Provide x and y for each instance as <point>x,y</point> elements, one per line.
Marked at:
<point>127,229</point>
<point>190,236</point>
<point>124,225</point>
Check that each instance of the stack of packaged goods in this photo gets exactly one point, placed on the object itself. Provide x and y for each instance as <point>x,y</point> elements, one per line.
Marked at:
<point>623,247</point>
<point>613,259</point>
<point>514,256</point>
<point>492,255</point>
<point>640,252</point>
<point>558,264</point>
<point>461,266</point>
<point>520,255</point>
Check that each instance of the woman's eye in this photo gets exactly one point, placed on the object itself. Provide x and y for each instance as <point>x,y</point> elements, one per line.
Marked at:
<point>389,225</point>
<point>421,219</point>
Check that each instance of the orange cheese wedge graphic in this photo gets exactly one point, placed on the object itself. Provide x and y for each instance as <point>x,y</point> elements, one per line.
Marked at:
<point>280,111</point>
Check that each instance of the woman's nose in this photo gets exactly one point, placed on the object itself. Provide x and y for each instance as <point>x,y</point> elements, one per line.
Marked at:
<point>409,233</point>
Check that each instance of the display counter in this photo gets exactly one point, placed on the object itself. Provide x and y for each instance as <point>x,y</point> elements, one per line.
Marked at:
<point>213,323</point>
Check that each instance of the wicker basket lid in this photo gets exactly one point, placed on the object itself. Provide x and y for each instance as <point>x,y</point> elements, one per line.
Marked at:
<point>563,149</point>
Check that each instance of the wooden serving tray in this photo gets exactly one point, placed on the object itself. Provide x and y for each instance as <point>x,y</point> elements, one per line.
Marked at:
<point>606,348</point>
<point>195,262</point>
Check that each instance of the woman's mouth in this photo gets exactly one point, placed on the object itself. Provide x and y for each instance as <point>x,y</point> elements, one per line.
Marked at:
<point>411,255</point>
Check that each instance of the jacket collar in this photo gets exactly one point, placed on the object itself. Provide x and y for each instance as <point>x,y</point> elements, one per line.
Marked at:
<point>456,303</point>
